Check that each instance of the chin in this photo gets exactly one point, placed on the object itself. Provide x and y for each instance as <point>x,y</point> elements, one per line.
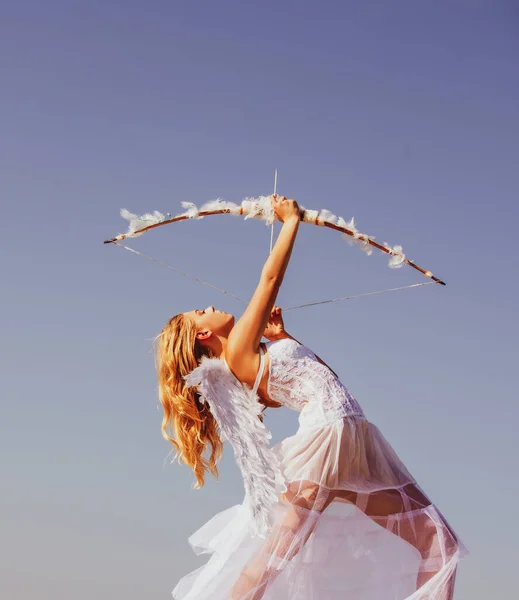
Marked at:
<point>229,323</point>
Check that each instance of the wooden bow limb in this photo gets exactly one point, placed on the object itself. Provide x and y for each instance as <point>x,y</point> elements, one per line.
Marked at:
<point>349,232</point>
<point>305,217</point>
<point>206,213</point>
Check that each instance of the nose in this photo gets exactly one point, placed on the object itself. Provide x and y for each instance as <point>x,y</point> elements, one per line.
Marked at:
<point>210,309</point>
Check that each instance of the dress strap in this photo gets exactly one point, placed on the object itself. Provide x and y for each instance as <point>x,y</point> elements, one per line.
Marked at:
<point>261,370</point>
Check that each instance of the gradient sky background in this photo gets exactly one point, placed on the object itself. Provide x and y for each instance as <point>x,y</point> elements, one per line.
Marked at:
<point>403,114</point>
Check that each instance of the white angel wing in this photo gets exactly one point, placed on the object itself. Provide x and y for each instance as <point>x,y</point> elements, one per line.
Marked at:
<point>237,410</point>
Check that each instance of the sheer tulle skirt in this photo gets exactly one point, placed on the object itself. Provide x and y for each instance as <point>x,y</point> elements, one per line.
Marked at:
<point>352,524</point>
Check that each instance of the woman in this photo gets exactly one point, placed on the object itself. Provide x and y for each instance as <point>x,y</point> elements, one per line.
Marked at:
<point>347,520</point>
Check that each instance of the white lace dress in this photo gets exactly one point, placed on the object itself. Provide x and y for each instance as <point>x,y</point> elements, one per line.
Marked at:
<point>350,522</point>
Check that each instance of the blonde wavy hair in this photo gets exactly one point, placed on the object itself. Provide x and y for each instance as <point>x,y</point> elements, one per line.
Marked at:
<point>187,423</point>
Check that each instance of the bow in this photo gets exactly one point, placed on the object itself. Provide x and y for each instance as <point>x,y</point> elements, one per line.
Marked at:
<point>261,208</point>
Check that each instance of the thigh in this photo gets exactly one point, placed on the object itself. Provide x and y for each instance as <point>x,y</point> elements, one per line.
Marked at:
<point>395,501</point>
<point>314,497</point>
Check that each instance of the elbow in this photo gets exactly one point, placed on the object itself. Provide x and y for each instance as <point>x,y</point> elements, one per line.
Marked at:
<point>271,280</point>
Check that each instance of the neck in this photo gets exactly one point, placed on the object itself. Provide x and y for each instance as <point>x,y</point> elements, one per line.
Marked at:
<point>223,347</point>
<point>218,346</point>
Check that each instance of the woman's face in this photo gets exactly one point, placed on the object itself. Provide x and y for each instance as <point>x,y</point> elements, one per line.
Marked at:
<point>212,321</point>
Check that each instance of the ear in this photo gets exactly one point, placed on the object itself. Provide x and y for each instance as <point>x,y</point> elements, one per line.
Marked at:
<point>204,335</point>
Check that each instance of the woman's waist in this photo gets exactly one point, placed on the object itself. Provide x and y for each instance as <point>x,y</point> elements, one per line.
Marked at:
<point>319,413</point>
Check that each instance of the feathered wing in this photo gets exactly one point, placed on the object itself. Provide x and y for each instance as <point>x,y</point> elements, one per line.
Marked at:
<point>237,410</point>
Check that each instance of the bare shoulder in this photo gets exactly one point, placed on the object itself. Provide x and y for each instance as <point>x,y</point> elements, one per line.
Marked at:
<point>244,363</point>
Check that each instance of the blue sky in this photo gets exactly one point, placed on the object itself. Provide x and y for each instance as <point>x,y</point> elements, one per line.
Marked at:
<point>403,114</point>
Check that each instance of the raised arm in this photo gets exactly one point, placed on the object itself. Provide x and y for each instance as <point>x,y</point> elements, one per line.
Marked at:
<point>246,335</point>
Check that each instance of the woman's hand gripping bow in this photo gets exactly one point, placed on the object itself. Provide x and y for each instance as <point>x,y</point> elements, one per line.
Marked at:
<point>275,329</point>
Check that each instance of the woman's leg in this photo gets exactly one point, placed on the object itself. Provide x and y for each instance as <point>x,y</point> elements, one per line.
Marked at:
<point>301,505</point>
<point>409,514</point>
<point>405,512</point>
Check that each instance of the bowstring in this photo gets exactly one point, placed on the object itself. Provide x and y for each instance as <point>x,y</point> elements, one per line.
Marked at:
<point>403,287</point>
<point>221,290</point>
<point>167,266</point>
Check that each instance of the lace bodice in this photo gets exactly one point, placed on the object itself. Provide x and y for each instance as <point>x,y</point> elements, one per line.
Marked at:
<point>299,381</point>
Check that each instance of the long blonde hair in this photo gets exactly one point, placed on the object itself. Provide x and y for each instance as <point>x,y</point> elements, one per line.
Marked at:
<point>190,421</point>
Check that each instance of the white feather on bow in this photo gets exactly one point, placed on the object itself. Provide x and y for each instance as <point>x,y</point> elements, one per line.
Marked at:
<point>137,222</point>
